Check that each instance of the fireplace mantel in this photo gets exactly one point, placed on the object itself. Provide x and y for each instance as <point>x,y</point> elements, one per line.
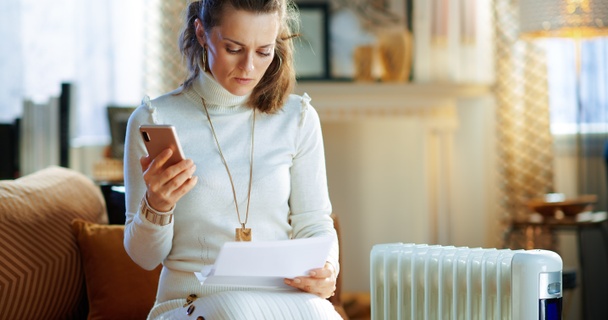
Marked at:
<point>337,101</point>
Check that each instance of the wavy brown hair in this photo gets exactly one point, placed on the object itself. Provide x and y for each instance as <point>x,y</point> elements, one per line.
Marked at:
<point>270,93</point>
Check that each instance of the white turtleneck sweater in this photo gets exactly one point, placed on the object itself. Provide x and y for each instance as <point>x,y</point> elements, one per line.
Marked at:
<point>289,197</point>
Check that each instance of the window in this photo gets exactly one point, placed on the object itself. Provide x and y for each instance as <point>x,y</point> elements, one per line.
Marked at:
<point>566,90</point>
<point>97,45</point>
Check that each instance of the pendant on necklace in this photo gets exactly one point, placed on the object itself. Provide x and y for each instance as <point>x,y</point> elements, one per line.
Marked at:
<point>243,234</point>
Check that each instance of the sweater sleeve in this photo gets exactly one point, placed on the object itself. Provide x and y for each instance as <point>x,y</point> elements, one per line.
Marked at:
<point>309,200</point>
<point>146,243</point>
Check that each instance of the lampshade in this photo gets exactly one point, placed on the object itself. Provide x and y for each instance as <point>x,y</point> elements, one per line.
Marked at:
<point>563,18</point>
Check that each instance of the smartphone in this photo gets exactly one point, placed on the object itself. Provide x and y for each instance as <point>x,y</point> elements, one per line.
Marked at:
<point>158,137</point>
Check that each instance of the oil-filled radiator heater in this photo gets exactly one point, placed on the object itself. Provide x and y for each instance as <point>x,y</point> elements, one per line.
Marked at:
<point>418,281</point>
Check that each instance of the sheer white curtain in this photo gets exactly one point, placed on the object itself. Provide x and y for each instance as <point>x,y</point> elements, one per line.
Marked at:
<point>453,41</point>
<point>97,45</point>
<point>11,75</point>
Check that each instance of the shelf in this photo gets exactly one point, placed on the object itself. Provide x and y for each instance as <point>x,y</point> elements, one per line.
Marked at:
<point>444,89</point>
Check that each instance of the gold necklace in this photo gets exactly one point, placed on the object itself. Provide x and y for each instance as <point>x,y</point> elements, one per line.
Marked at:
<point>242,233</point>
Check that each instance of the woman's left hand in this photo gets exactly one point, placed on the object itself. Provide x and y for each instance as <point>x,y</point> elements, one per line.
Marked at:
<point>321,282</point>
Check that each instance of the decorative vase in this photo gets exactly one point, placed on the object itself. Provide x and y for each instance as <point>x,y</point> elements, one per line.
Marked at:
<point>395,55</point>
<point>363,57</point>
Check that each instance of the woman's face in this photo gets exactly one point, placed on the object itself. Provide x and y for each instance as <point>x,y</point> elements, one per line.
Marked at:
<point>240,49</point>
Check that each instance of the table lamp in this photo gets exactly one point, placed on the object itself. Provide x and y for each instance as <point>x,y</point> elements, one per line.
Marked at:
<point>563,18</point>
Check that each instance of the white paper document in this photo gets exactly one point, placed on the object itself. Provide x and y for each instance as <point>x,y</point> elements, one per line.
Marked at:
<point>264,264</point>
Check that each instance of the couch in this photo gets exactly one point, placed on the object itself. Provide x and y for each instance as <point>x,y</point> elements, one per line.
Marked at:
<point>59,257</point>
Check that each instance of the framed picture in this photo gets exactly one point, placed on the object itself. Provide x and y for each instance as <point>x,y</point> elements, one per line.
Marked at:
<point>118,116</point>
<point>312,46</point>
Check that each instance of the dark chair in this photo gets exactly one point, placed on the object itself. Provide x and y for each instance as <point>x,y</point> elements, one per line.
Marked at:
<point>114,194</point>
<point>593,251</point>
<point>336,299</point>
<point>606,164</point>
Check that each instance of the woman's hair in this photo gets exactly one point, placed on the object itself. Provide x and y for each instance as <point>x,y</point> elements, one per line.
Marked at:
<point>270,93</point>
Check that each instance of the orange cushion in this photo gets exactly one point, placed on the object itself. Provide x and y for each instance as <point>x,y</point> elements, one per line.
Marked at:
<point>117,288</point>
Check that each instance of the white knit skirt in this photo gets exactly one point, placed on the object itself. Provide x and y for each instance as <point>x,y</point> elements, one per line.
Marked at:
<point>244,305</point>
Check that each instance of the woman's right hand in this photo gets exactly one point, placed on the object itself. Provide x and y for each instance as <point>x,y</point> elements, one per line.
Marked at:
<point>165,186</point>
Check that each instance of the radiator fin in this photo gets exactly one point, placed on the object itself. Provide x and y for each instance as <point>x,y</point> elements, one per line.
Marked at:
<point>419,281</point>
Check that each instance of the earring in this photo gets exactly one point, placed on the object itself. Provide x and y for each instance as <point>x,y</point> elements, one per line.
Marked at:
<point>204,59</point>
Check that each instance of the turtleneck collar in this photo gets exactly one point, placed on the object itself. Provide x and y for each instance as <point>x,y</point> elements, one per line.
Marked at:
<point>216,96</point>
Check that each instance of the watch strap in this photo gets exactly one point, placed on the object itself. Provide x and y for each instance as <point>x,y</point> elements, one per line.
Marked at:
<point>156,217</point>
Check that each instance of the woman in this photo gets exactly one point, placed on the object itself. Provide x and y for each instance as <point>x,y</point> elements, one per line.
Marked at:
<point>255,166</point>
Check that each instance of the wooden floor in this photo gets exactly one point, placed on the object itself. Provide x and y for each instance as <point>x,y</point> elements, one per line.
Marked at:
<point>357,305</point>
